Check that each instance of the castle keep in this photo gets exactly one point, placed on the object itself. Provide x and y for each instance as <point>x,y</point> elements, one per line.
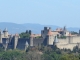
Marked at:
<point>47,38</point>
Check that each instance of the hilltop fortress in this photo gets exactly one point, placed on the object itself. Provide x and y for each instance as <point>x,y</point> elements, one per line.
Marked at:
<point>47,38</point>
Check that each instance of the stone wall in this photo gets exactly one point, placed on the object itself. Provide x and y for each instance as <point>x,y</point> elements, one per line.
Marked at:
<point>22,43</point>
<point>66,46</point>
<point>68,43</point>
<point>63,41</point>
<point>50,40</point>
<point>38,41</point>
<point>76,39</point>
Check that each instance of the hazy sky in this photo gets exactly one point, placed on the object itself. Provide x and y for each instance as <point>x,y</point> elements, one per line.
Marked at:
<point>50,12</point>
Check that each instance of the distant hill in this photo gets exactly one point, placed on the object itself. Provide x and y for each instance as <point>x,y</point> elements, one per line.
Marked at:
<point>36,28</point>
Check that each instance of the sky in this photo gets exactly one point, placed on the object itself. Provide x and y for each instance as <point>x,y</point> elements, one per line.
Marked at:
<point>46,12</point>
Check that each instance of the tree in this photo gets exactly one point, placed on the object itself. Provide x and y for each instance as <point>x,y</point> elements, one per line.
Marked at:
<point>24,35</point>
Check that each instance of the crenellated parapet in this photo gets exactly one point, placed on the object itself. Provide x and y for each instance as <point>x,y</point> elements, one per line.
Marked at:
<point>45,32</point>
<point>60,37</point>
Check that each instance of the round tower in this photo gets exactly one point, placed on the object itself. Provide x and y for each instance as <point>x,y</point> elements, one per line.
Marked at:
<point>5,32</point>
<point>16,37</point>
<point>50,38</point>
<point>70,39</point>
<point>0,36</point>
<point>31,40</point>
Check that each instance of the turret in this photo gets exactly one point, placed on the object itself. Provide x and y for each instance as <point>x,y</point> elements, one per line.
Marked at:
<point>5,32</point>
<point>45,28</point>
<point>64,31</point>
<point>26,45</point>
<point>70,39</point>
<point>15,41</point>
<point>0,36</point>
<point>55,40</point>
<point>50,38</point>
<point>45,32</point>
<point>31,40</point>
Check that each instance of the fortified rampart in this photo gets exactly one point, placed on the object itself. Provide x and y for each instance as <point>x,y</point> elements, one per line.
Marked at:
<point>47,38</point>
<point>68,42</point>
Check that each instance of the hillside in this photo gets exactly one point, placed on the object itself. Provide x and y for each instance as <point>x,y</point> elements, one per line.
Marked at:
<point>36,28</point>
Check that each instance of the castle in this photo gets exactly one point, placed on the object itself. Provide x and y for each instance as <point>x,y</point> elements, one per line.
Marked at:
<point>48,37</point>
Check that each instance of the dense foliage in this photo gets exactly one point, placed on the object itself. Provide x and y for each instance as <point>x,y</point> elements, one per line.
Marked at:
<point>41,53</point>
<point>61,37</point>
<point>72,32</point>
<point>24,35</point>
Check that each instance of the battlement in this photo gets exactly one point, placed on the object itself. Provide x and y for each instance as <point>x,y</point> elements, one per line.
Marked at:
<point>47,28</point>
<point>47,37</point>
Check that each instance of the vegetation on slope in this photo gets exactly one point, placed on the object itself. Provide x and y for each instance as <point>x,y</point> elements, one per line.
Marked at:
<point>40,53</point>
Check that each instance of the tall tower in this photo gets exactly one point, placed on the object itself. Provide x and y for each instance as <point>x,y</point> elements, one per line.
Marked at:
<point>15,41</point>
<point>70,39</point>
<point>31,40</point>
<point>50,38</point>
<point>5,32</point>
<point>64,31</point>
<point>45,32</point>
<point>0,36</point>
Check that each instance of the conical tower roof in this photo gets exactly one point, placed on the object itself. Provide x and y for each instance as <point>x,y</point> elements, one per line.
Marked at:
<point>56,40</point>
<point>5,29</point>
<point>26,43</point>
